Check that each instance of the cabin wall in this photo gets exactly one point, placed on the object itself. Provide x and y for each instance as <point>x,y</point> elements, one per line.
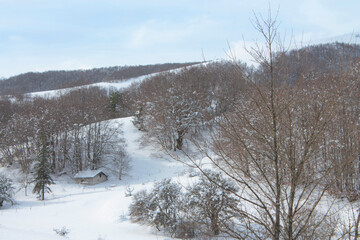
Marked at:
<point>92,181</point>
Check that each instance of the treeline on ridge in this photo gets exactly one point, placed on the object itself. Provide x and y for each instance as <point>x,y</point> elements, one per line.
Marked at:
<point>51,80</point>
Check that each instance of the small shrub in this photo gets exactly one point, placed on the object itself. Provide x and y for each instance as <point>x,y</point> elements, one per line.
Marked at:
<point>206,210</point>
<point>129,190</point>
<point>62,231</point>
<point>159,208</point>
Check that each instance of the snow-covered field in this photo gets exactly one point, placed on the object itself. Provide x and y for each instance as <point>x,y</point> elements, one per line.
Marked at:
<point>90,212</point>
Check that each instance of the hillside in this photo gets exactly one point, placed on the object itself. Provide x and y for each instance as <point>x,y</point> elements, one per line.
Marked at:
<point>51,80</point>
<point>284,136</point>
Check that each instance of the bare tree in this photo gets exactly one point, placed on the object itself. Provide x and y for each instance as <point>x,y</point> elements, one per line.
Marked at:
<point>121,163</point>
<point>171,108</point>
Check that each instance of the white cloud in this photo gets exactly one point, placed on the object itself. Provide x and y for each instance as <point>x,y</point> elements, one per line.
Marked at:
<point>43,35</point>
<point>73,64</point>
<point>329,17</point>
<point>153,33</point>
<point>239,50</point>
<point>15,38</point>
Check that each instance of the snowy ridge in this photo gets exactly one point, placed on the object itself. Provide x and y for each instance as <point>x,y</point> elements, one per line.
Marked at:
<point>113,85</point>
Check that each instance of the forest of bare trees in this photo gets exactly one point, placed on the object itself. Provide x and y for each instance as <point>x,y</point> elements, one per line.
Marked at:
<point>286,133</point>
<point>74,124</point>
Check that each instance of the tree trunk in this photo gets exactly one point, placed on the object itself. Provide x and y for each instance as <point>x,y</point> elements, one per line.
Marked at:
<point>215,225</point>
<point>277,227</point>
<point>42,192</point>
<point>25,187</point>
<point>53,153</point>
<point>357,227</point>
<point>179,140</point>
<point>90,161</point>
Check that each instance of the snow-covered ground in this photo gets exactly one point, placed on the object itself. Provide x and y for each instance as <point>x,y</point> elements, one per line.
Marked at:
<point>90,212</point>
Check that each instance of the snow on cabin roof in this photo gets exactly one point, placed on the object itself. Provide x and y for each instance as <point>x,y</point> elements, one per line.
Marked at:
<point>88,174</point>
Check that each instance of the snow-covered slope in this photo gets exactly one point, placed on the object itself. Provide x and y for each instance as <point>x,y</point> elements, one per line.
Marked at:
<point>115,85</point>
<point>91,212</point>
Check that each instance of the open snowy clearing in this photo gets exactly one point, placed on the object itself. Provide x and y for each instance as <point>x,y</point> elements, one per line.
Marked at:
<point>90,212</point>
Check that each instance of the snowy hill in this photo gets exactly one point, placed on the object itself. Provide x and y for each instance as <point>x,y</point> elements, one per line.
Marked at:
<point>108,85</point>
<point>52,80</point>
<point>90,212</point>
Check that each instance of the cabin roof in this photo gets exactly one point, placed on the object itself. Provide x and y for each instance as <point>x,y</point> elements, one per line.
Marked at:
<point>88,173</point>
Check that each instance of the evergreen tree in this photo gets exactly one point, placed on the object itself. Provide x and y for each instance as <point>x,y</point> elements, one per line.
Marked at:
<point>6,190</point>
<point>42,170</point>
<point>115,100</point>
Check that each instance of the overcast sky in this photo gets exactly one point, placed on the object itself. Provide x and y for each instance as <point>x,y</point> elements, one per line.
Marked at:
<point>77,34</point>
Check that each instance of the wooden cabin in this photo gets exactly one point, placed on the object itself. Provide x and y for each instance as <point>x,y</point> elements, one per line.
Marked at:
<point>90,177</point>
